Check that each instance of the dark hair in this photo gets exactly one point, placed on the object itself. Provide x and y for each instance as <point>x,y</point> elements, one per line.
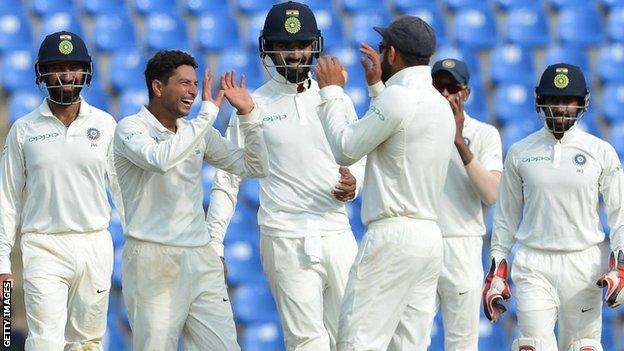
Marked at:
<point>412,60</point>
<point>163,63</point>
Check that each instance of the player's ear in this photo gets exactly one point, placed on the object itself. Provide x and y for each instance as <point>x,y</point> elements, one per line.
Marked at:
<point>466,94</point>
<point>157,87</point>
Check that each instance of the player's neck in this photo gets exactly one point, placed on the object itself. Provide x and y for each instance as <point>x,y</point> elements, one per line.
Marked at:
<point>164,116</point>
<point>64,113</point>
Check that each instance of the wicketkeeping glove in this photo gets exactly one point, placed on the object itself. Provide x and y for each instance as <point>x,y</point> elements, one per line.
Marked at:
<point>614,279</point>
<point>496,290</point>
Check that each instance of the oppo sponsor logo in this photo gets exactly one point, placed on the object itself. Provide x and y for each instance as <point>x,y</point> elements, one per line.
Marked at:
<point>536,159</point>
<point>43,137</point>
<point>274,118</point>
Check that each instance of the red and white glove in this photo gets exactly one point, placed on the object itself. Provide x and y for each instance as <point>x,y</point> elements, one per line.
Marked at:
<point>614,279</point>
<point>496,290</point>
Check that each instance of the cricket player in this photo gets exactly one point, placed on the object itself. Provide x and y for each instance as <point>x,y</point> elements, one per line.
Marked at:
<point>408,135</point>
<point>53,177</point>
<point>548,202</point>
<point>471,182</point>
<point>173,281</point>
<point>306,243</point>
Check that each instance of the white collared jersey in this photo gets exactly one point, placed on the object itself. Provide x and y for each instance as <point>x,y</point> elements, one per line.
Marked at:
<point>295,198</point>
<point>461,210</point>
<point>160,172</point>
<point>53,177</point>
<point>548,196</point>
<point>407,134</point>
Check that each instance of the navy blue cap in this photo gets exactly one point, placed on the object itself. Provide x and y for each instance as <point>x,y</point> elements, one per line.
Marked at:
<point>456,68</point>
<point>410,35</point>
<point>562,79</point>
<point>290,21</point>
<point>63,46</point>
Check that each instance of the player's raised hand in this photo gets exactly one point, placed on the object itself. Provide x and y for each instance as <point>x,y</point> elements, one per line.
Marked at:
<point>371,64</point>
<point>345,189</point>
<point>496,290</point>
<point>207,89</point>
<point>329,71</point>
<point>614,279</point>
<point>238,95</point>
<point>6,277</point>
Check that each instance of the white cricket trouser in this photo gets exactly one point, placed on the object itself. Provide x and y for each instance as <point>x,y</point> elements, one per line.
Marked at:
<point>307,277</point>
<point>67,280</point>
<point>459,292</point>
<point>172,290</point>
<point>560,287</point>
<point>389,302</point>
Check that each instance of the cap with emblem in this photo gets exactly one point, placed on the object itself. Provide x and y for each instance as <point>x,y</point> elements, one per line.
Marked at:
<point>290,21</point>
<point>562,79</point>
<point>410,35</point>
<point>456,68</point>
<point>63,46</point>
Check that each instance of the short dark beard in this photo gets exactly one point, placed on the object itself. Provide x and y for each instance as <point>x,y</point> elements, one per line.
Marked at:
<point>65,98</point>
<point>386,68</point>
<point>294,75</point>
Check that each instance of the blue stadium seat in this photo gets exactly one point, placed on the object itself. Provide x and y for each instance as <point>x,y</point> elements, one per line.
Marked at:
<point>511,64</point>
<point>349,56</point>
<point>318,4</point>
<point>243,224</point>
<point>467,56</point>
<point>113,31</point>
<point>505,5</point>
<point>12,7</point>
<point>572,33</point>
<point>243,262</point>
<point>15,33</point>
<point>589,122</point>
<point>475,28</point>
<point>434,18</point>
<point>216,30</point>
<point>45,7</point>
<point>58,21</point>
<point>354,6</point>
<point>617,140</point>
<point>405,6</point>
<point>492,336</point>
<point>250,190</point>
<point>18,70</point>
<point>613,103</point>
<point>101,7</point>
<point>568,54</point>
<point>357,89</point>
<point>244,62</point>
<point>331,28</point>
<point>611,63</point>
<point>615,24</point>
<point>126,69</point>
<point>22,102</point>
<point>609,4</point>
<point>517,130</point>
<point>263,337</point>
<point>198,7</point>
<point>253,6</point>
<point>255,25</point>
<point>131,100</point>
<point>562,4</point>
<point>147,7</point>
<point>362,24</point>
<point>514,102</point>
<point>96,96</point>
<point>456,5</point>
<point>253,303</point>
<point>165,31</point>
<point>476,105</point>
<point>208,173</point>
<point>527,26</point>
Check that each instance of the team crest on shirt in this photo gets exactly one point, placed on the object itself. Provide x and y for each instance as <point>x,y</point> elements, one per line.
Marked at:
<point>93,134</point>
<point>467,141</point>
<point>580,159</point>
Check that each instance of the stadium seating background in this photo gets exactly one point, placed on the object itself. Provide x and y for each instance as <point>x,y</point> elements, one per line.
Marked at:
<point>506,43</point>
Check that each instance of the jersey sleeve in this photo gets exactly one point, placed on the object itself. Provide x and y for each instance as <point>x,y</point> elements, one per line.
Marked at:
<point>611,185</point>
<point>491,153</point>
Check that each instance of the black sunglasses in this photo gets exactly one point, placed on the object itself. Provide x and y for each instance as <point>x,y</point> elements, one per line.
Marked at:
<point>451,88</point>
<point>382,46</point>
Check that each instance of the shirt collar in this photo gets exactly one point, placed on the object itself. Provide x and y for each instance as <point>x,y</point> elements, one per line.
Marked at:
<point>420,74</point>
<point>280,84</point>
<point>151,119</point>
<point>84,110</point>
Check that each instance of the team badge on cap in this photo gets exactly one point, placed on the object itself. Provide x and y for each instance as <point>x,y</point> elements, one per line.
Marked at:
<point>467,141</point>
<point>93,134</point>
<point>292,24</point>
<point>66,47</point>
<point>580,159</point>
<point>448,63</point>
<point>561,79</point>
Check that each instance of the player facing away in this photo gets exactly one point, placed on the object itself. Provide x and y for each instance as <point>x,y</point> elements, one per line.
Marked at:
<point>548,202</point>
<point>306,243</point>
<point>53,177</point>
<point>471,182</point>
<point>407,134</point>
<point>173,281</point>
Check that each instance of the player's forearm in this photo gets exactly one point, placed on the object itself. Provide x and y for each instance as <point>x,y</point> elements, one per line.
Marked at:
<point>485,182</point>
<point>256,153</point>
<point>218,216</point>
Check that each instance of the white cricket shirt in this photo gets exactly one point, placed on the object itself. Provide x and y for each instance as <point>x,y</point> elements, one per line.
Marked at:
<point>461,210</point>
<point>408,136</point>
<point>295,198</point>
<point>548,196</point>
<point>52,177</point>
<point>160,172</point>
